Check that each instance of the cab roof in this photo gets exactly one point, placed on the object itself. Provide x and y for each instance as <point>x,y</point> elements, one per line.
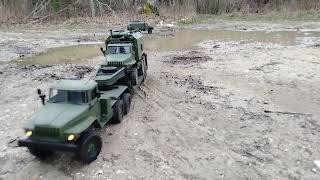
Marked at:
<point>75,85</point>
<point>120,44</point>
<point>137,21</point>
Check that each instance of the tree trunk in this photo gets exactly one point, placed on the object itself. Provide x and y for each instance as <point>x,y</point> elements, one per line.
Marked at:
<point>93,9</point>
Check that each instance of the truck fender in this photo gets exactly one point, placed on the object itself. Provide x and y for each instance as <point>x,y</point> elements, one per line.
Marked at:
<point>82,125</point>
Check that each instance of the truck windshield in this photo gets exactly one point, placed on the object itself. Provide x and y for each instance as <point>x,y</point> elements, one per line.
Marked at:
<point>65,96</point>
<point>118,50</point>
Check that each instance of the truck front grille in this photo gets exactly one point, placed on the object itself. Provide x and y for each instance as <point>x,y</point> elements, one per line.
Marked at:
<point>116,64</point>
<point>47,132</point>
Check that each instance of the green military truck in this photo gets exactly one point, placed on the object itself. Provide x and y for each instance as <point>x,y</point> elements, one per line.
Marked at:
<point>125,62</point>
<point>75,108</point>
<point>139,25</point>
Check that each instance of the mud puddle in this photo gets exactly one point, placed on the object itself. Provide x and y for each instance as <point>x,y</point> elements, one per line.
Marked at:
<point>76,53</point>
<point>182,40</point>
<point>188,39</point>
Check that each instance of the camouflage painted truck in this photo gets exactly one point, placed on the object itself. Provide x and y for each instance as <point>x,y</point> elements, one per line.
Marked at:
<point>140,25</point>
<point>76,108</point>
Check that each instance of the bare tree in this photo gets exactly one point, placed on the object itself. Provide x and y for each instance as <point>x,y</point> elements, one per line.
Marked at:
<point>93,8</point>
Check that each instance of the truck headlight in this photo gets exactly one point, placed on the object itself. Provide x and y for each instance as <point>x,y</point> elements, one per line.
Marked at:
<point>28,133</point>
<point>71,137</point>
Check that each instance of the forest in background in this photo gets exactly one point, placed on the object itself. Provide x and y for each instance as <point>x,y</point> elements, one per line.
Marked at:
<point>22,11</point>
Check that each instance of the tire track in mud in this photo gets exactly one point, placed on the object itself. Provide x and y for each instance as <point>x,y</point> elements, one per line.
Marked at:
<point>157,98</point>
<point>250,161</point>
<point>161,100</point>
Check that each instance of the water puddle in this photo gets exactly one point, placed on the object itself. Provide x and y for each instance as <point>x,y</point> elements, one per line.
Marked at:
<point>68,54</point>
<point>182,40</point>
<point>189,39</point>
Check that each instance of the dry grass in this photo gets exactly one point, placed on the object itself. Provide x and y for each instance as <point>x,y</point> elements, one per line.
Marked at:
<point>20,11</point>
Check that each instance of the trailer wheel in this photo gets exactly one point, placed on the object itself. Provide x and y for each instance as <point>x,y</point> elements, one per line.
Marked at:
<point>40,153</point>
<point>126,103</point>
<point>117,112</point>
<point>149,31</point>
<point>134,76</point>
<point>90,147</point>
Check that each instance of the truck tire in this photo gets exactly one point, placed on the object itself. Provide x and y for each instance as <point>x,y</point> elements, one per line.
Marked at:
<point>149,31</point>
<point>144,69</point>
<point>40,153</point>
<point>134,76</point>
<point>146,59</point>
<point>117,112</point>
<point>90,147</point>
<point>126,103</point>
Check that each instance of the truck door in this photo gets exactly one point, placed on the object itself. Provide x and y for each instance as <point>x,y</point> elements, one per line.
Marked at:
<point>95,110</point>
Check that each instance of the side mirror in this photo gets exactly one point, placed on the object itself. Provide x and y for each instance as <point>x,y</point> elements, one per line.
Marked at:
<point>39,91</point>
<point>98,95</point>
<point>103,51</point>
<point>41,96</point>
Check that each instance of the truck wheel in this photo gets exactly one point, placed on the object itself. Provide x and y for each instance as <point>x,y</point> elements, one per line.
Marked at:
<point>126,103</point>
<point>117,112</point>
<point>134,76</point>
<point>144,70</point>
<point>149,31</point>
<point>146,60</point>
<point>90,147</point>
<point>40,153</point>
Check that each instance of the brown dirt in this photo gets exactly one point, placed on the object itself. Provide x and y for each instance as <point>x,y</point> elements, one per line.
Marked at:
<point>189,58</point>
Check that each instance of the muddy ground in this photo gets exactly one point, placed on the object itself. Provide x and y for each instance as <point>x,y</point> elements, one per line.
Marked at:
<point>227,110</point>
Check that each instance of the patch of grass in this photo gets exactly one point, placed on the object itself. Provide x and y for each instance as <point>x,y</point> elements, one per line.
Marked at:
<point>194,20</point>
<point>274,16</point>
<point>307,15</point>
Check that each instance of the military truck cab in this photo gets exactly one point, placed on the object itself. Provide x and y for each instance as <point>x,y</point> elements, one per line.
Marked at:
<point>68,118</point>
<point>120,54</point>
<point>140,25</point>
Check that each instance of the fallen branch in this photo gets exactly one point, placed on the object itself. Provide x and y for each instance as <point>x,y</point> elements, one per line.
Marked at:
<point>108,6</point>
<point>260,68</point>
<point>45,5</point>
<point>285,112</point>
<point>54,13</point>
<point>37,8</point>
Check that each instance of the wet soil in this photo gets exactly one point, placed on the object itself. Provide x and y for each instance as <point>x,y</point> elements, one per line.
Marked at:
<point>228,110</point>
<point>190,58</point>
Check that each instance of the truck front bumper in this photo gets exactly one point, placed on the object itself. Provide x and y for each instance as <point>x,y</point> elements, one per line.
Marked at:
<point>45,145</point>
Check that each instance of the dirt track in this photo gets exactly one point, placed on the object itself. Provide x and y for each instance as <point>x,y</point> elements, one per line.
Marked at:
<point>228,110</point>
